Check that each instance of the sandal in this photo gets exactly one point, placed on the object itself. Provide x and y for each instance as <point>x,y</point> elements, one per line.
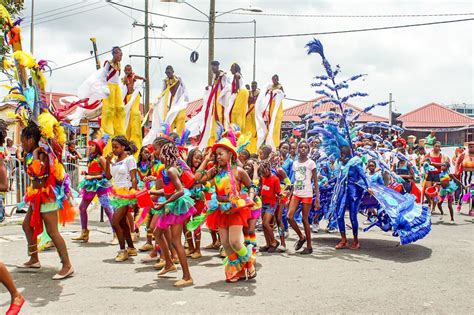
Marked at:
<point>274,248</point>
<point>341,245</point>
<point>300,244</point>
<point>251,272</point>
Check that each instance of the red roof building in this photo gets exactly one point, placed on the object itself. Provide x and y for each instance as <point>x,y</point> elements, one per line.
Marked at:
<point>451,127</point>
<point>435,116</point>
<point>292,114</point>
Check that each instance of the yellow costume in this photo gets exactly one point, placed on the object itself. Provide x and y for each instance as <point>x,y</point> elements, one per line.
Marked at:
<point>250,126</point>
<point>134,128</point>
<point>170,108</point>
<point>239,107</point>
<point>113,108</point>
<point>275,118</point>
<point>179,120</point>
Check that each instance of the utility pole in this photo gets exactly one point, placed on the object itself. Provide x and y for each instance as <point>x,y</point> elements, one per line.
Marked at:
<point>254,47</point>
<point>31,25</point>
<point>212,20</point>
<point>146,104</point>
<point>147,26</point>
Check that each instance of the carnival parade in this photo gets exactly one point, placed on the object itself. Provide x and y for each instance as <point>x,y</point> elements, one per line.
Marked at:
<point>223,199</point>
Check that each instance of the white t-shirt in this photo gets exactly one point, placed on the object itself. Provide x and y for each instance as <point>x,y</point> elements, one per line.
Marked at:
<point>303,172</point>
<point>121,172</point>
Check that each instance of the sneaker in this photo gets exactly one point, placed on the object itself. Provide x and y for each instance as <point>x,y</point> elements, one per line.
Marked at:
<point>146,247</point>
<point>122,255</point>
<point>315,227</point>
<point>331,230</point>
<point>132,251</point>
<point>281,249</point>
<point>287,234</point>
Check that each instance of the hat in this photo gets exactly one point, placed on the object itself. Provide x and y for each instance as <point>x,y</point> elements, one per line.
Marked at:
<point>225,143</point>
<point>100,144</point>
<point>402,141</point>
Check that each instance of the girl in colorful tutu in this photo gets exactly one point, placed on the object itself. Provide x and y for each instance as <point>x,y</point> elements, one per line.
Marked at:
<point>144,169</point>
<point>250,238</point>
<point>94,184</point>
<point>173,209</point>
<point>202,175</point>
<point>123,170</point>
<point>200,195</point>
<point>48,192</point>
<point>233,211</point>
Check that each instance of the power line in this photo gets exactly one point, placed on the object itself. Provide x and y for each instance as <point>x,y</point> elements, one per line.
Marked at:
<point>68,15</point>
<point>124,13</point>
<point>352,16</point>
<point>177,17</point>
<point>48,15</point>
<point>89,58</point>
<point>326,33</point>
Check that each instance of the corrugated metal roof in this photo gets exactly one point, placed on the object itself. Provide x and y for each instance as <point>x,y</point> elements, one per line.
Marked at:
<point>293,113</point>
<point>436,116</point>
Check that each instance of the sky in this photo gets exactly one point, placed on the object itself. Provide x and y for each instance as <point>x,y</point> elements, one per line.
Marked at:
<point>417,65</point>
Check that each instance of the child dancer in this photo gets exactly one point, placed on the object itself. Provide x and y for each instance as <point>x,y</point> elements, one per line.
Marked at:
<point>46,175</point>
<point>194,161</point>
<point>250,238</point>
<point>270,191</point>
<point>447,190</point>
<point>306,182</point>
<point>144,165</point>
<point>124,172</point>
<point>173,210</point>
<point>233,212</point>
<point>94,184</point>
<point>207,169</point>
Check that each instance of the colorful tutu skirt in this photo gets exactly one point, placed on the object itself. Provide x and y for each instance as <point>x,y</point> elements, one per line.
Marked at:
<point>224,219</point>
<point>49,199</point>
<point>256,211</point>
<point>89,187</point>
<point>122,197</point>
<point>176,212</point>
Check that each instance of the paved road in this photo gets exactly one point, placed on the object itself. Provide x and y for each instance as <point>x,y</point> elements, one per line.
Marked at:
<point>432,276</point>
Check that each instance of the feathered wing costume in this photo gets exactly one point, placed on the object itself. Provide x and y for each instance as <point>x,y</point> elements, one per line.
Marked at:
<point>398,213</point>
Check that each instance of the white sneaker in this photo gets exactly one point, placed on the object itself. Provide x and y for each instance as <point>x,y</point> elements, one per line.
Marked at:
<point>315,228</point>
<point>332,230</point>
<point>281,249</point>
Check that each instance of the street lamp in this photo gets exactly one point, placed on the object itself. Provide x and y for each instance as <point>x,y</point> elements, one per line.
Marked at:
<point>212,20</point>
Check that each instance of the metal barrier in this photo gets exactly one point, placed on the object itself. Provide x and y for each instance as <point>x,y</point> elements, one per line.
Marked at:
<point>18,180</point>
<point>73,171</point>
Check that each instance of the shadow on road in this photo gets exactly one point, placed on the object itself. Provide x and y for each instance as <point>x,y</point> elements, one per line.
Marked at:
<point>370,248</point>
<point>38,288</point>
